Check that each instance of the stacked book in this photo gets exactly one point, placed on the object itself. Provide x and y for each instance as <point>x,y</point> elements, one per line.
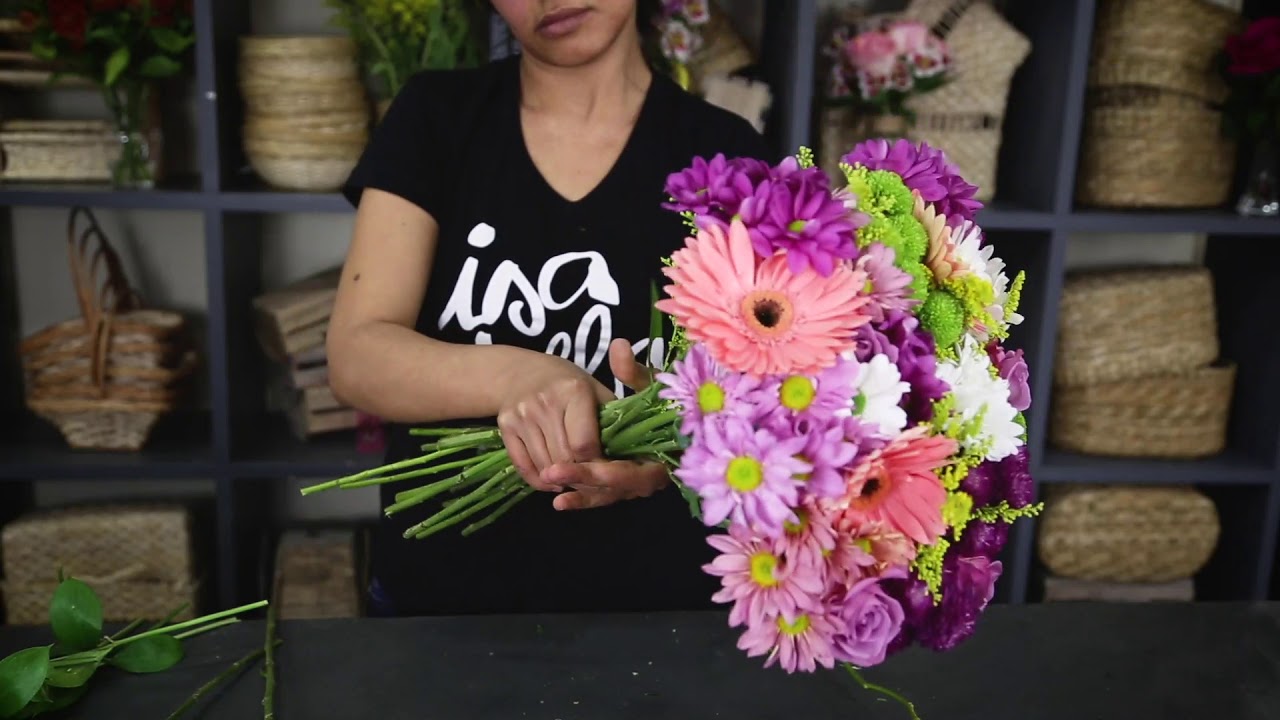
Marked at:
<point>291,325</point>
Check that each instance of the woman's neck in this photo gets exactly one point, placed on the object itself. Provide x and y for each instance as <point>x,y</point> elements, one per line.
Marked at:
<point>618,79</point>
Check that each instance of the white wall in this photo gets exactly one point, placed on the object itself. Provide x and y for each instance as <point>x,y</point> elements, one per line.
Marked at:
<point>164,255</point>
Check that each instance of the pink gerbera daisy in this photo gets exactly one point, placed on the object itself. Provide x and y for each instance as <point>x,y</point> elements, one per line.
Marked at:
<point>758,580</point>
<point>704,390</point>
<point>750,477</point>
<point>761,318</point>
<point>898,485</point>
<point>888,547</point>
<point>849,561</point>
<point>802,642</point>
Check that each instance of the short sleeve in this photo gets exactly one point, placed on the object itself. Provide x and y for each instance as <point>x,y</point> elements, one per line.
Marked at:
<point>407,151</point>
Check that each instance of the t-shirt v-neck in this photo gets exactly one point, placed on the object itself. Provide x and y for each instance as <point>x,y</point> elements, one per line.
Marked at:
<point>518,264</point>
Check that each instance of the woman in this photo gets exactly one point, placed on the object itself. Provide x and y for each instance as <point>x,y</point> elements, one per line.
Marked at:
<point>509,227</point>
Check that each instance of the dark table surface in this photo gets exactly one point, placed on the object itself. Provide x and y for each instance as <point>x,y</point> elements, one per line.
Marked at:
<point>1037,662</point>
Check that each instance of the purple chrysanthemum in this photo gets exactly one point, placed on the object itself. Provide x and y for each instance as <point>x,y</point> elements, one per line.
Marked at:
<point>888,286</point>
<point>924,169</point>
<point>1014,479</point>
<point>984,539</point>
<point>981,484</point>
<point>746,475</point>
<point>797,215</point>
<point>712,189</point>
<point>703,389</point>
<point>968,584</point>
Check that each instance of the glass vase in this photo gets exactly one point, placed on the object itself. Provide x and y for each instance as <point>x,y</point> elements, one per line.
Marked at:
<point>135,167</point>
<point>1261,196</point>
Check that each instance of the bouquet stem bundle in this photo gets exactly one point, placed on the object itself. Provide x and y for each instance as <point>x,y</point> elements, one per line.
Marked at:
<point>636,427</point>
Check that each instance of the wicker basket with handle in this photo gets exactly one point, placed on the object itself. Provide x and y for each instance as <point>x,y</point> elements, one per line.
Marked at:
<point>138,557</point>
<point>1125,324</point>
<point>1127,534</point>
<point>105,378</point>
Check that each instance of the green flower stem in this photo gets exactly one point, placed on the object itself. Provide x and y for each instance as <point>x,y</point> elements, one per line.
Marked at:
<point>636,432</point>
<point>443,431</point>
<point>98,654</point>
<point>236,668</point>
<point>891,694</point>
<point>201,630</point>
<point>474,496</point>
<point>424,472</point>
<point>269,669</point>
<point>169,618</point>
<point>656,450</point>
<point>499,512</point>
<point>427,530</point>
<point>125,630</point>
<point>622,424</point>
<point>365,475</point>
<point>471,439</point>
<point>411,498</point>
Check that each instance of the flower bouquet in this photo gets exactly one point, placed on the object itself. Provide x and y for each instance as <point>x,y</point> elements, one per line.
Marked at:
<point>838,400</point>
<point>879,65</point>
<point>123,46</point>
<point>680,24</point>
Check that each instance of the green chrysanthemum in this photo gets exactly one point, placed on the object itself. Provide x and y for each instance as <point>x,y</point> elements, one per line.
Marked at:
<point>883,231</point>
<point>920,278</point>
<point>881,193</point>
<point>914,242</point>
<point>943,314</point>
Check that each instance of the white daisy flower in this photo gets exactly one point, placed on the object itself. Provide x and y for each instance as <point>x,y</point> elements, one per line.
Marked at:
<point>974,389</point>
<point>678,41</point>
<point>878,396</point>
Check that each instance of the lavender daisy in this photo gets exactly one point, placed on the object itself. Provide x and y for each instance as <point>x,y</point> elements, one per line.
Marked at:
<point>758,580</point>
<point>792,398</point>
<point>802,642</point>
<point>703,389</point>
<point>745,475</point>
<point>888,286</point>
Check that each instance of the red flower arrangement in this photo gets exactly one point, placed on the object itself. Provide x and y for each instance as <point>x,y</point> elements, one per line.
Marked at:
<point>1251,64</point>
<point>123,46</point>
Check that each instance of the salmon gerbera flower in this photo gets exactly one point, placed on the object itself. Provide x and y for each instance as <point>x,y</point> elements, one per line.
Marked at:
<point>898,486</point>
<point>759,317</point>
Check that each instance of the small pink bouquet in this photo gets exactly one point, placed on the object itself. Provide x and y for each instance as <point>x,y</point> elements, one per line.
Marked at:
<point>839,402</point>
<point>881,63</point>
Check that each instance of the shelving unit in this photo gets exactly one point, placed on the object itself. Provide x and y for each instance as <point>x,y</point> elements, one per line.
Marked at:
<point>246,452</point>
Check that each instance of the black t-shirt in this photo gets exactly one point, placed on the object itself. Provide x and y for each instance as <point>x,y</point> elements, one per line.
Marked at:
<point>518,264</point>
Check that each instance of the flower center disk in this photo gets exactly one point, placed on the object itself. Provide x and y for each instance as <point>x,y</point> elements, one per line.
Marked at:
<point>710,398</point>
<point>768,314</point>
<point>797,393</point>
<point>744,474</point>
<point>764,569</point>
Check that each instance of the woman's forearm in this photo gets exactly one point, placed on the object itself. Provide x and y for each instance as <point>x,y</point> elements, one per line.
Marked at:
<point>399,375</point>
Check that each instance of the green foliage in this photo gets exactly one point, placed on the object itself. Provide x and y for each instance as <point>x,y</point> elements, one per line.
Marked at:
<point>21,677</point>
<point>398,38</point>
<point>149,655</point>
<point>75,614</point>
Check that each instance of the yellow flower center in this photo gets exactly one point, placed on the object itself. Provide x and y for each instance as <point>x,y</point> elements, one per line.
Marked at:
<point>797,393</point>
<point>796,627</point>
<point>859,403</point>
<point>710,397</point>
<point>764,569</point>
<point>744,474</point>
<point>797,226</point>
<point>863,544</point>
<point>868,288</point>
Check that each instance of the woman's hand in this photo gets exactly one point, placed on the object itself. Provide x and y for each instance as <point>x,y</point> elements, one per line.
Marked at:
<point>596,483</point>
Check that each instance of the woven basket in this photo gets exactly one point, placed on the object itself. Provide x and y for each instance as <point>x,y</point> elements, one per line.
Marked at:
<point>1167,416</point>
<point>1124,324</point>
<point>316,575</point>
<point>304,166</point>
<point>351,121</point>
<point>1152,134</point>
<point>137,557</point>
<point>1127,534</point>
<point>57,150</point>
<point>285,99</point>
<point>105,378</point>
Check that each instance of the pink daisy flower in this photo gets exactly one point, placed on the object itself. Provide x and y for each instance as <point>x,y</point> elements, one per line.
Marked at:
<point>814,398</point>
<point>758,580</point>
<point>897,485</point>
<point>888,286</point>
<point>849,561</point>
<point>802,642</point>
<point>887,547</point>
<point>704,390</point>
<point>745,475</point>
<point>809,540</point>
<point>760,318</point>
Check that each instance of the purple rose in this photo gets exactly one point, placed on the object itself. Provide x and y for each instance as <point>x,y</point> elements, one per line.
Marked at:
<point>869,619</point>
<point>1013,367</point>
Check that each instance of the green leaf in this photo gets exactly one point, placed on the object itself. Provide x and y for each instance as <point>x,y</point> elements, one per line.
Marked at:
<point>76,615</point>
<point>156,653</point>
<point>59,699</point>
<point>71,676</point>
<point>160,66</point>
<point>655,315</point>
<point>170,40</point>
<point>46,51</point>
<point>21,677</point>
<point>116,65</point>
<point>108,34</point>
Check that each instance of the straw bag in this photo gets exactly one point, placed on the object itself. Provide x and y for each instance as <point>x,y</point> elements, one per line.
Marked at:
<point>1120,325</point>
<point>1152,133</point>
<point>317,575</point>
<point>137,557</point>
<point>57,150</point>
<point>105,377</point>
<point>1127,534</point>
